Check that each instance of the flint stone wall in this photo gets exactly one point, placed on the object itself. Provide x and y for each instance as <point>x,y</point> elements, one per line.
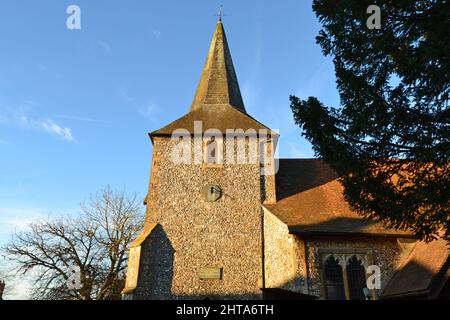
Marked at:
<point>283,268</point>
<point>386,253</point>
<point>224,234</point>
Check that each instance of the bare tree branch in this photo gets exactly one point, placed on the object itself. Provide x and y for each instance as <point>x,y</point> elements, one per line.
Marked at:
<point>95,243</point>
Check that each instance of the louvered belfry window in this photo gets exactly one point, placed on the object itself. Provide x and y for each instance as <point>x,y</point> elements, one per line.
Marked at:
<point>356,278</point>
<point>334,281</point>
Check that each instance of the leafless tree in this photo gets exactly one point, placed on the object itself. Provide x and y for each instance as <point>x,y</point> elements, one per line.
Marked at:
<point>93,245</point>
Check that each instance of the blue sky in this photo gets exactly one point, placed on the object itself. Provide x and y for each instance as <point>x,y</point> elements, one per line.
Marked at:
<point>76,105</point>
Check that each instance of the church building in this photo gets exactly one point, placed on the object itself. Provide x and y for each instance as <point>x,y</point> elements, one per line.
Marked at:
<point>226,219</point>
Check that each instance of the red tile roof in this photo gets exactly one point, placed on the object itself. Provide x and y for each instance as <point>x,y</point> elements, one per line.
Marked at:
<point>417,270</point>
<point>310,200</point>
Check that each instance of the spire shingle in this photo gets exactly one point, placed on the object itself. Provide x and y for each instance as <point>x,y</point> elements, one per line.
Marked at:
<point>218,83</point>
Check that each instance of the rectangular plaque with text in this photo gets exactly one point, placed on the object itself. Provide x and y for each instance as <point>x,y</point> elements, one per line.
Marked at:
<point>210,273</point>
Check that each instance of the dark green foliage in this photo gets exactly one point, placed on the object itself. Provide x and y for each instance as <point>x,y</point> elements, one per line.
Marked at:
<point>389,139</point>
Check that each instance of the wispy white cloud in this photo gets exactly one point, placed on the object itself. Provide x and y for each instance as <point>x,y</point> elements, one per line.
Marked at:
<point>47,70</point>
<point>11,219</point>
<point>18,218</point>
<point>19,117</point>
<point>82,119</point>
<point>149,110</point>
<point>317,82</point>
<point>32,103</point>
<point>43,67</point>
<point>156,33</point>
<point>124,94</point>
<point>105,46</point>
<point>57,130</point>
<point>251,89</point>
<point>49,126</point>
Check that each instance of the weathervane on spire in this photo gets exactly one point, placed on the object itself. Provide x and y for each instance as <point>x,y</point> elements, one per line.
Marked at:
<point>220,14</point>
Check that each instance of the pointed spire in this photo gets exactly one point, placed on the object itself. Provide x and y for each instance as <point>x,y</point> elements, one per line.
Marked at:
<point>218,83</point>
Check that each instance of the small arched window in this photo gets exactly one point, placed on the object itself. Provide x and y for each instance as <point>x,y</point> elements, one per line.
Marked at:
<point>356,278</point>
<point>211,152</point>
<point>334,281</point>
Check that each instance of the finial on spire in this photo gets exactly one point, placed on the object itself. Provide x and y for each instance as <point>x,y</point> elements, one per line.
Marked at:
<point>220,14</point>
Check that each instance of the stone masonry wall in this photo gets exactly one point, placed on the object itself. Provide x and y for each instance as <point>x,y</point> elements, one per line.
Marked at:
<point>285,265</point>
<point>282,261</point>
<point>386,253</point>
<point>193,233</point>
<point>156,266</point>
<point>225,233</point>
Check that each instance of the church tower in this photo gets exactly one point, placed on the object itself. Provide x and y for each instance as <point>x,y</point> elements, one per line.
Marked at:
<point>212,170</point>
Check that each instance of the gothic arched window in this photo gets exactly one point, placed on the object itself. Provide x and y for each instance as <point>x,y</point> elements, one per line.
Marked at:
<point>334,281</point>
<point>356,278</point>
